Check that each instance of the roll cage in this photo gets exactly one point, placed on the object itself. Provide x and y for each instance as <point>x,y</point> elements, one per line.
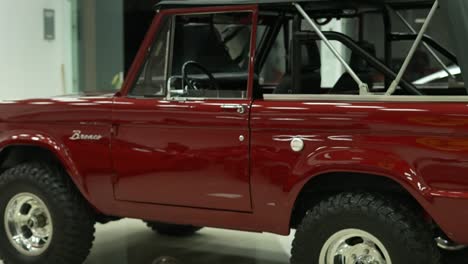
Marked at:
<point>311,11</point>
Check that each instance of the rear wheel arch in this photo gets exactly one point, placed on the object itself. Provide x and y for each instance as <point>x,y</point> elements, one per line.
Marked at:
<point>378,228</point>
<point>322,186</point>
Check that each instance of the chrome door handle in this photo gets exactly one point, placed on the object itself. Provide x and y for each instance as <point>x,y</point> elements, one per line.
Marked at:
<point>240,108</point>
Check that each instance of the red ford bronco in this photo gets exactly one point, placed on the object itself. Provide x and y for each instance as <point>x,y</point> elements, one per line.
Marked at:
<point>205,133</point>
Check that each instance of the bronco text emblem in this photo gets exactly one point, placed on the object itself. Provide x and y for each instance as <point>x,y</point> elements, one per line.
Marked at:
<point>77,135</point>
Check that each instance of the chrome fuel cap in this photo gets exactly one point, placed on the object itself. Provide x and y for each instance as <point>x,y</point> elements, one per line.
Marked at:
<point>297,144</point>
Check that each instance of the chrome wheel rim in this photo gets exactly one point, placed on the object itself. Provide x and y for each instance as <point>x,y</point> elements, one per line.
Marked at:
<point>28,224</point>
<point>354,246</point>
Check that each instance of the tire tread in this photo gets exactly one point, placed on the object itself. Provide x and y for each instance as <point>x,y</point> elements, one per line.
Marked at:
<point>408,223</point>
<point>77,237</point>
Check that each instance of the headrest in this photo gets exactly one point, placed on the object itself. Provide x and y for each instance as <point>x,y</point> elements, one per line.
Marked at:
<point>359,64</point>
<point>311,60</point>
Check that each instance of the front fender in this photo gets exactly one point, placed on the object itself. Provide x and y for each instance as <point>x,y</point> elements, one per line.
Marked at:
<point>54,145</point>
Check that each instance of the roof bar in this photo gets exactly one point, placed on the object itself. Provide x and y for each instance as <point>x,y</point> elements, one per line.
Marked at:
<point>363,88</point>
<point>429,49</point>
<point>413,49</point>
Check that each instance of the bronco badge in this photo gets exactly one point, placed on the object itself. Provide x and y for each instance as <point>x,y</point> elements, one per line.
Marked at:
<point>77,135</point>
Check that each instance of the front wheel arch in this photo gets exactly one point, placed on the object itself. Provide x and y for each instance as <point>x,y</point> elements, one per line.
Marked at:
<point>16,154</point>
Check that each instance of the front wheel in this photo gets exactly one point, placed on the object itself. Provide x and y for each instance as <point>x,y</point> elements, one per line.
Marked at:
<point>45,220</point>
<point>364,228</point>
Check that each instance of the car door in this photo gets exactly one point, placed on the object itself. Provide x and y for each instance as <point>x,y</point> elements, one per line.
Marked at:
<point>181,132</point>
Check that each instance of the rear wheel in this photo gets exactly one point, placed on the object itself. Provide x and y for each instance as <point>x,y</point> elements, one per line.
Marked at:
<point>362,228</point>
<point>172,229</point>
<point>45,220</point>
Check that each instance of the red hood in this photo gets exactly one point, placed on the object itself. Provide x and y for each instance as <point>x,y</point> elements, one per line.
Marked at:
<point>80,107</point>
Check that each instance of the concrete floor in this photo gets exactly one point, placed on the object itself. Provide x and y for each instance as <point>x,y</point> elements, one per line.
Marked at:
<point>131,242</point>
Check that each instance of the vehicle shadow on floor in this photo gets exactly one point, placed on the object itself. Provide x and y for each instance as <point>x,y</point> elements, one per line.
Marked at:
<point>133,243</point>
<point>137,244</point>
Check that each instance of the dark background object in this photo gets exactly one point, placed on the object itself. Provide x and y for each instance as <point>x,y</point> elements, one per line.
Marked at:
<point>457,12</point>
<point>137,20</point>
<point>49,24</point>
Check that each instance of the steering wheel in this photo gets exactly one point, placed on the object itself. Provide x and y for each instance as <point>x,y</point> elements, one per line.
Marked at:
<point>191,83</point>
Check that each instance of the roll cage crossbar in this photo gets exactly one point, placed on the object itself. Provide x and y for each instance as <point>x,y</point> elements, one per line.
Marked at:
<point>371,60</point>
<point>433,44</point>
<point>413,49</point>
<point>429,49</point>
<point>363,87</point>
<point>398,78</point>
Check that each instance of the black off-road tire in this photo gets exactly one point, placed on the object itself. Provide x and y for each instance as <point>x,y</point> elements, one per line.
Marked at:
<point>172,229</point>
<point>72,219</point>
<point>401,229</point>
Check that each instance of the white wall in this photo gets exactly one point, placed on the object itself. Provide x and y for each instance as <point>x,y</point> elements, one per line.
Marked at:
<point>332,69</point>
<point>29,65</point>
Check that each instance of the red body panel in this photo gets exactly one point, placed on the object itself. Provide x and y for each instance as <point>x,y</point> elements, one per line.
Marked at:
<point>161,162</point>
<point>422,146</point>
<point>164,149</point>
<point>49,123</point>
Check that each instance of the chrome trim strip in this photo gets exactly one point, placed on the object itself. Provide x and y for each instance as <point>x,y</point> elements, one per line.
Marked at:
<point>363,98</point>
<point>168,51</point>
<point>446,244</point>
<point>171,56</point>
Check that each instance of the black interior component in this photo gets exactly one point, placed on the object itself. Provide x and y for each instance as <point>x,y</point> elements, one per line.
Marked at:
<point>357,62</point>
<point>225,81</point>
<point>268,42</point>
<point>201,43</point>
<point>428,40</point>
<point>295,69</point>
<point>135,29</point>
<point>361,23</point>
<point>408,87</point>
<point>302,74</point>
<point>287,44</point>
<point>458,27</point>
<point>192,83</point>
<point>287,4</point>
<point>346,84</point>
<point>308,62</point>
<point>388,45</point>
